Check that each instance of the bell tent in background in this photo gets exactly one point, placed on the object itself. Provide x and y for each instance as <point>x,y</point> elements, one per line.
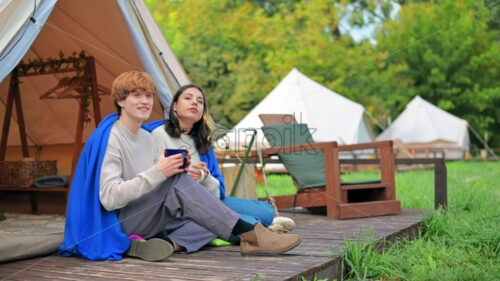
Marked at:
<point>330,116</point>
<point>424,125</point>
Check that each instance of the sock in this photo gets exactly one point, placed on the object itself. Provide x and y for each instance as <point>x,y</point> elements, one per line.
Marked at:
<point>242,227</point>
<point>163,235</point>
<point>166,238</point>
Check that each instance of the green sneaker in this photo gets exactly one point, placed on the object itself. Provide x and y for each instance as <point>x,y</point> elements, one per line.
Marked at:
<point>217,242</point>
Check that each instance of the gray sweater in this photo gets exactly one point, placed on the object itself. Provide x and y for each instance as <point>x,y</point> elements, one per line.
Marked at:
<point>128,169</point>
<point>163,140</point>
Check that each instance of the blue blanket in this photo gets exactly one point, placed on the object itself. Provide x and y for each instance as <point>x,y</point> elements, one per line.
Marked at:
<point>91,231</point>
<point>208,158</point>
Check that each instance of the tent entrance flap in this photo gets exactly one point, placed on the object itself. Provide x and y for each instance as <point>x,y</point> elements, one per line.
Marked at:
<point>121,35</point>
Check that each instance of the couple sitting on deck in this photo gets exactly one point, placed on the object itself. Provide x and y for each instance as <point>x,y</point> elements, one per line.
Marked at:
<point>124,187</point>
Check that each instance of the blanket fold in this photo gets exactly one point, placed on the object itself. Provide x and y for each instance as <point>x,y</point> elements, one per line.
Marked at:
<point>91,231</point>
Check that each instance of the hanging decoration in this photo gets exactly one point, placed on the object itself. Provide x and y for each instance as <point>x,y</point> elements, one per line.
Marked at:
<point>78,87</point>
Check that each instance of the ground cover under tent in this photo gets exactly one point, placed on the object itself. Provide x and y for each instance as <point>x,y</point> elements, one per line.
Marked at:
<point>25,236</point>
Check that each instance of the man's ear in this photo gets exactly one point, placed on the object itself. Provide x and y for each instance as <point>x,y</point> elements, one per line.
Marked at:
<point>120,102</point>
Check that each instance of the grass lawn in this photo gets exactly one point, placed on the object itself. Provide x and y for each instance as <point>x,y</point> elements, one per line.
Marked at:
<point>462,243</point>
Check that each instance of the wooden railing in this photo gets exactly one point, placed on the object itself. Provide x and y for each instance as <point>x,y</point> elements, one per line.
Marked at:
<point>440,172</point>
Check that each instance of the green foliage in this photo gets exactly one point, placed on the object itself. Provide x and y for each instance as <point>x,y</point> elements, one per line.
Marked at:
<point>462,243</point>
<point>259,277</point>
<point>315,278</point>
<point>494,17</point>
<point>447,51</point>
<point>239,50</point>
<point>220,45</point>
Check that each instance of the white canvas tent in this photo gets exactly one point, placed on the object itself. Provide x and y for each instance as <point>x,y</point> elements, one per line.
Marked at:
<point>120,34</point>
<point>424,124</point>
<point>330,116</point>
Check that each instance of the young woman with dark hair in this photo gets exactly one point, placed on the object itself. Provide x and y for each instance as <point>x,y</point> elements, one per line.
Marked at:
<point>189,127</point>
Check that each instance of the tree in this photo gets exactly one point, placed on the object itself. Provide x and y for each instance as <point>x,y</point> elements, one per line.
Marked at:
<point>238,51</point>
<point>494,16</point>
<point>219,44</point>
<point>447,53</point>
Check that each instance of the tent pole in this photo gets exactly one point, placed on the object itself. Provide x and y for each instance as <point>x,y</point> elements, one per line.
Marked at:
<point>8,114</point>
<point>482,141</point>
<point>382,127</point>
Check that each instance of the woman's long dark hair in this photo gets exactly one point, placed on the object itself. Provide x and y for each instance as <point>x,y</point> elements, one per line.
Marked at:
<point>201,130</point>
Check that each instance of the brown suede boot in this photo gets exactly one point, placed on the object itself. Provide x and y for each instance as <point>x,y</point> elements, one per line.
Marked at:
<point>263,241</point>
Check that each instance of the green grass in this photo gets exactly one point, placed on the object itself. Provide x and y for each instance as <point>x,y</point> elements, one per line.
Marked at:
<point>462,243</point>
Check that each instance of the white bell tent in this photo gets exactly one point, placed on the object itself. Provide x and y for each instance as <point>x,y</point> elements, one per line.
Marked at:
<point>423,124</point>
<point>330,116</point>
<point>121,35</point>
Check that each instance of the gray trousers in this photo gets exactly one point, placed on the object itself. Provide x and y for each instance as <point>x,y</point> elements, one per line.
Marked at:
<point>185,209</point>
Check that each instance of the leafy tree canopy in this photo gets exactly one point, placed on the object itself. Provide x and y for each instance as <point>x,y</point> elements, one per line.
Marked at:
<point>447,51</point>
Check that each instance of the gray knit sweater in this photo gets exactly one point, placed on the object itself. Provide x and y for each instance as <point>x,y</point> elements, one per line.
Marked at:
<point>128,169</point>
<point>163,140</point>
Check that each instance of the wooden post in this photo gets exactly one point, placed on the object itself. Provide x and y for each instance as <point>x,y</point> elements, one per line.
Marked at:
<point>78,136</point>
<point>387,169</point>
<point>8,114</point>
<point>334,196</point>
<point>90,68</point>
<point>440,184</point>
<point>20,120</point>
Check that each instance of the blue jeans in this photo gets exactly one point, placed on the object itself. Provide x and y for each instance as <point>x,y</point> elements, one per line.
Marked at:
<point>251,211</point>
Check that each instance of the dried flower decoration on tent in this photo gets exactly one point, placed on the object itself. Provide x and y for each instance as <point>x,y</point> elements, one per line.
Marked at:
<point>78,87</point>
<point>83,81</point>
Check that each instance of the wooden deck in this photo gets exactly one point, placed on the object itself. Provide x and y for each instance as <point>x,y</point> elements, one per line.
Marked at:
<point>225,263</point>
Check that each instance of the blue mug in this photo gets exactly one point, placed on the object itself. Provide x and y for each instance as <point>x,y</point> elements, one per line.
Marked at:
<point>170,152</point>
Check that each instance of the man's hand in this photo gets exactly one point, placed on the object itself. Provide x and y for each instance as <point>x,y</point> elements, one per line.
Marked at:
<point>169,166</point>
<point>197,173</point>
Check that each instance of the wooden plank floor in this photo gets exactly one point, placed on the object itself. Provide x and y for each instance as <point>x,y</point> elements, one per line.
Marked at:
<point>225,263</point>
